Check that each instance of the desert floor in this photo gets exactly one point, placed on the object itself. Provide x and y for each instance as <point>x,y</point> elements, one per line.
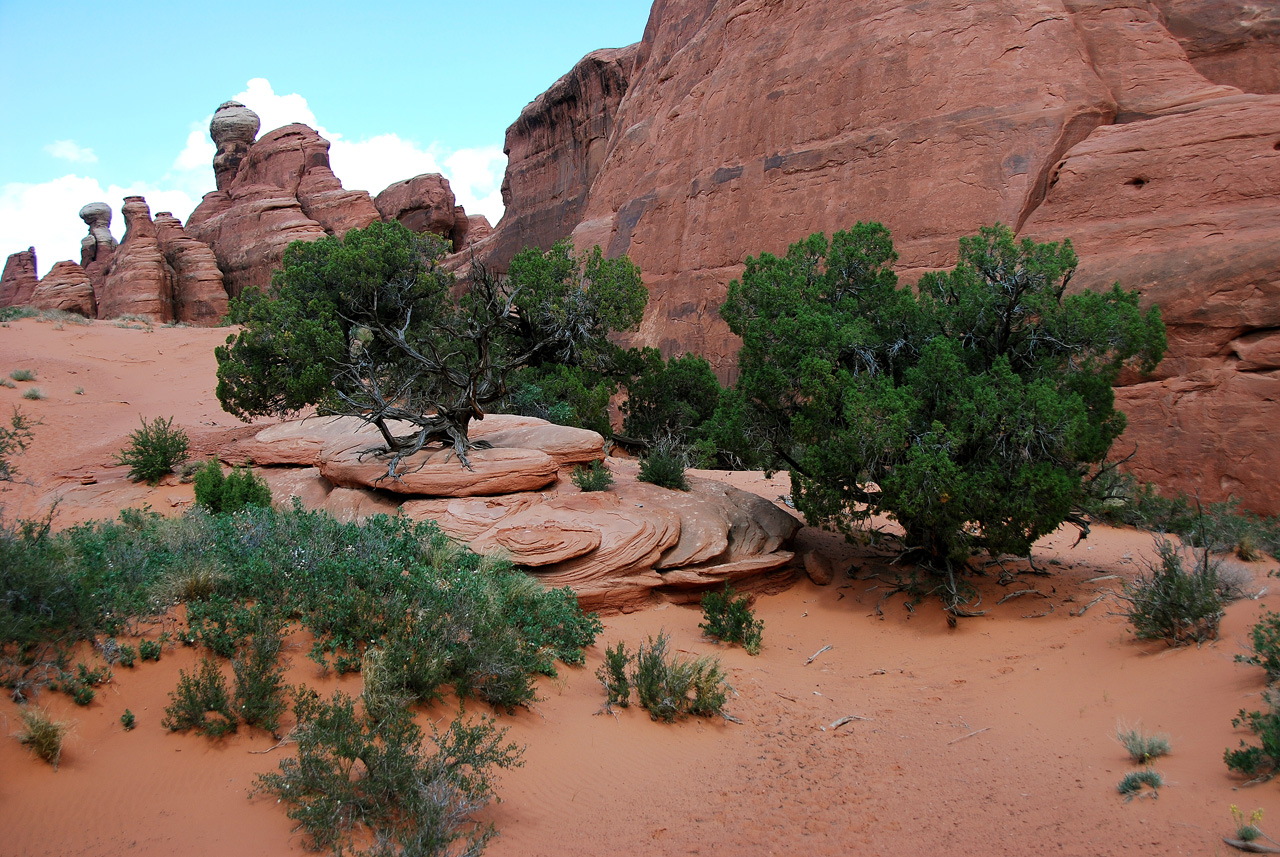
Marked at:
<point>995,737</point>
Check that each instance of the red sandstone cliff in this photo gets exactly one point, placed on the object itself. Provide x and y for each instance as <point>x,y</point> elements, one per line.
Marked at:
<point>738,126</point>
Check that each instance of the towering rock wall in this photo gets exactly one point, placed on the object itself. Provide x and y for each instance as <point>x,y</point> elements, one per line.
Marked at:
<point>744,125</point>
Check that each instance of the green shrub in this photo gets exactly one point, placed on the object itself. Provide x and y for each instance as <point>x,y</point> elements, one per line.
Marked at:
<point>12,313</point>
<point>153,450</point>
<point>23,374</point>
<point>593,477</point>
<point>5,382</point>
<point>230,493</point>
<point>355,774</point>
<point>43,735</point>
<point>1257,761</point>
<point>1142,748</point>
<point>149,650</point>
<point>128,721</point>
<point>668,687</point>
<point>1264,639</point>
<point>1133,782</point>
<point>200,702</point>
<point>80,684</point>
<point>1170,603</point>
<point>14,438</point>
<point>670,399</point>
<point>731,619</point>
<point>128,655</point>
<point>32,393</point>
<point>613,675</point>
<point>259,678</point>
<point>1247,829</point>
<point>664,466</point>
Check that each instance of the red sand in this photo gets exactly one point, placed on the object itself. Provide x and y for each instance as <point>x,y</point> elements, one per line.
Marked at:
<point>996,737</point>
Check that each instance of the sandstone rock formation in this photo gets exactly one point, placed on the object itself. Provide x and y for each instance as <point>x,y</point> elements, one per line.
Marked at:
<point>158,272</point>
<point>66,287</point>
<point>270,193</point>
<point>97,249</point>
<point>618,549</point>
<point>1236,42</point>
<point>423,203</point>
<point>19,280</point>
<point>198,294</point>
<point>735,128</point>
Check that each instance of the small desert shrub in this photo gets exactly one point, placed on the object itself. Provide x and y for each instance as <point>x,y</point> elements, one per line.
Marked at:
<point>80,684</point>
<point>1171,603</point>
<point>199,581</point>
<point>1264,639</point>
<point>259,678</point>
<point>1142,748</point>
<point>153,450</point>
<point>594,477</point>
<point>23,374</point>
<point>731,619</point>
<point>229,493</point>
<point>127,656</point>
<point>668,687</point>
<point>79,391</point>
<point>1247,828</point>
<point>613,675</point>
<point>1235,581</point>
<point>355,771</point>
<point>1133,782</point>
<point>1257,761</point>
<point>149,650</point>
<point>43,735</point>
<point>664,466</point>
<point>32,393</point>
<point>220,623</point>
<point>200,702</point>
<point>5,382</point>
<point>128,721</point>
<point>13,313</point>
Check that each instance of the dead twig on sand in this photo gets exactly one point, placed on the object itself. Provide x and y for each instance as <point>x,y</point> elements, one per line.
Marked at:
<point>970,735</point>
<point>1019,593</point>
<point>1082,610</point>
<point>1253,847</point>
<point>784,696</point>
<point>848,719</point>
<point>814,656</point>
<point>288,739</point>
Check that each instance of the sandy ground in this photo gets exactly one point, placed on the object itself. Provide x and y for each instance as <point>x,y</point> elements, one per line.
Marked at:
<point>995,737</point>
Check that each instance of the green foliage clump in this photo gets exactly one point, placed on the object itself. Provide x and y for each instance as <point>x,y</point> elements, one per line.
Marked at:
<point>23,375</point>
<point>32,393</point>
<point>1134,781</point>
<point>1247,829</point>
<point>613,675</point>
<point>149,650</point>
<point>201,702</point>
<point>1142,748</point>
<point>79,685</point>
<point>14,438</point>
<point>675,398</point>
<point>153,450</point>
<point>43,735</point>
<point>258,691</point>
<point>732,620</point>
<point>1264,639</point>
<point>128,720</point>
<point>594,477</point>
<point>1257,761</point>
<point>1169,602</point>
<point>370,325</point>
<point>13,313</point>
<point>664,465</point>
<point>230,493</point>
<point>669,686</point>
<point>971,408</point>
<point>357,772</point>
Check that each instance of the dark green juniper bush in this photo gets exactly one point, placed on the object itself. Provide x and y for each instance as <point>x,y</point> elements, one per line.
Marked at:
<point>973,408</point>
<point>368,325</point>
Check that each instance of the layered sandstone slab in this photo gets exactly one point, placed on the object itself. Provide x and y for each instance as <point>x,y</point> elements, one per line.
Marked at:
<point>438,473</point>
<point>1235,42</point>
<point>199,296</point>
<point>140,281</point>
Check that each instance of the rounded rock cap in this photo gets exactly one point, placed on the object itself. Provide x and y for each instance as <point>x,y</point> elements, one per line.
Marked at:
<point>96,212</point>
<point>234,122</point>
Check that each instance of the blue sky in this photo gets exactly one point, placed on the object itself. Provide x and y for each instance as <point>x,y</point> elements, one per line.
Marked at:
<point>101,100</point>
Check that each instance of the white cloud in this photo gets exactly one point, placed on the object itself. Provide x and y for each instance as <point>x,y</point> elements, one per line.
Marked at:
<point>67,150</point>
<point>47,215</point>
<point>377,162</point>
<point>476,178</point>
<point>276,111</point>
<point>199,151</point>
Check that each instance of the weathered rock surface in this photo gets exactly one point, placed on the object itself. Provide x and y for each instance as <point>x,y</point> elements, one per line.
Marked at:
<point>556,149</point>
<point>437,472</point>
<point>278,190</point>
<point>198,294</point>
<point>66,287</point>
<point>97,249</point>
<point>1182,207</point>
<point>19,280</point>
<point>423,203</point>
<point>1235,42</point>
<point>140,281</point>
